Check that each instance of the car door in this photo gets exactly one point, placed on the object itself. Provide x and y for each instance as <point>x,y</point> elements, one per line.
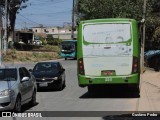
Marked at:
<point>29,83</point>
<point>23,86</point>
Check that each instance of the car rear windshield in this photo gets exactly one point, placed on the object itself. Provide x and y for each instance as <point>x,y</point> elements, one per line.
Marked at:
<point>8,74</point>
<point>46,67</point>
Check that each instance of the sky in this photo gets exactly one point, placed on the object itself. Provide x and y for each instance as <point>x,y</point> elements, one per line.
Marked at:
<point>46,12</point>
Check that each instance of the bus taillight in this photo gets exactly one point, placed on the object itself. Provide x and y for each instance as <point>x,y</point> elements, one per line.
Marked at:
<point>81,66</point>
<point>135,65</point>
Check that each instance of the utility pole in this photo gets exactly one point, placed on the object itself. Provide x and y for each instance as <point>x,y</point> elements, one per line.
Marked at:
<point>143,37</point>
<point>1,26</point>
<point>5,27</point>
<point>72,34</point>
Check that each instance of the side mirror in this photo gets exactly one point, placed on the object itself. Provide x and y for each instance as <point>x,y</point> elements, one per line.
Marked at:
<point>62,70</point>
<point>25,79</point>
<point>30,70</point>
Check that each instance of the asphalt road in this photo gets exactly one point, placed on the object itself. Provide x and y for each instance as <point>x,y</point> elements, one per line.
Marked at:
<point>73,98</point>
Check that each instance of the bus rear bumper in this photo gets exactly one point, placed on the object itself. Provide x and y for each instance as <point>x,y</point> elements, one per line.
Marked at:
<point>90,80</point>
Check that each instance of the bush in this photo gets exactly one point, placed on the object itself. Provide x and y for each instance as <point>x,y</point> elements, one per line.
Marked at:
<point>54,41</point>
<point>44,42</point>
<point>19,46</point>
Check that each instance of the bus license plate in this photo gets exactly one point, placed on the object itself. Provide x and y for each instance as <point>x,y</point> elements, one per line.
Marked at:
<point>107,72</point>
<point>108,79</point>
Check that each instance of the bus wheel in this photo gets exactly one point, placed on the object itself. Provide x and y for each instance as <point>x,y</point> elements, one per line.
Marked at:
<point>137,90</point>
<point>65,58</point>
<point>91,89</point>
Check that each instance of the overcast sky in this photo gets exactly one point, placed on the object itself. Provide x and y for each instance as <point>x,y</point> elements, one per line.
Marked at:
<point>45,12</point>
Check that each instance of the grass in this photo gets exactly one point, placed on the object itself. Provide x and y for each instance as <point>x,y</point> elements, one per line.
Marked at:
<point>49,48</point>
<point>44,53</point>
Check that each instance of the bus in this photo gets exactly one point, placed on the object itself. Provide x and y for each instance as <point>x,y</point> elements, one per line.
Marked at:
<point>108,53</point>
<point>68,49</point>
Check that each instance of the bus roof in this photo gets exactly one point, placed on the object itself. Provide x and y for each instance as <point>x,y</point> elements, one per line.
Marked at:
<point>109,20</point>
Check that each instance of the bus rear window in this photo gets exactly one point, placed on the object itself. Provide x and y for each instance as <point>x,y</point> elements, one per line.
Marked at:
<point>107,33</point>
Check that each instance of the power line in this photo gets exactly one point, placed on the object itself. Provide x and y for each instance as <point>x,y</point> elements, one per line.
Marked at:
<point>46,3</point>
<point>29,19</point>
<point>49,17</point>
<point>66,11</point>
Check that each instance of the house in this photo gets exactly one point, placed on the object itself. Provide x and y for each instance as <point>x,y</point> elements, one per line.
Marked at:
<point>63,33</point>
<point>25,36</point>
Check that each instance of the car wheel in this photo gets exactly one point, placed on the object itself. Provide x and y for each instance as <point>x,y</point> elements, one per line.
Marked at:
<point>156,63</point>
<point>17,107</point>
<point>64,83</point>
<point>60,86</point>
<point>156,69</point>
<point>33,101</point>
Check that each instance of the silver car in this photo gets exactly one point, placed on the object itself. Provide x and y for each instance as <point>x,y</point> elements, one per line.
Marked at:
<point>17,87</point>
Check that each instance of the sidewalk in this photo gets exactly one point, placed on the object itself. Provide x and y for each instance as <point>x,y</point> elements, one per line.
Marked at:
<point>152,77</point>
<point>149,91</point>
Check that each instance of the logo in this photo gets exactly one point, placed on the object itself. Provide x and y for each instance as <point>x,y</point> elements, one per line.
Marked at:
<point>9,114</point>
<point>6,114</point>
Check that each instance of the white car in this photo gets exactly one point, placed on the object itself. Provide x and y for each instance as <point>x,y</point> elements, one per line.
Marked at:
<point>37,42</point>
<point>17,87</point>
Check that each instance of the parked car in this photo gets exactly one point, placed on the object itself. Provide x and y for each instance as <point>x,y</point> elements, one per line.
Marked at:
<point>37,42</point>
<point>17,87</point>
<point>152,59</point>
<point>49,75</point>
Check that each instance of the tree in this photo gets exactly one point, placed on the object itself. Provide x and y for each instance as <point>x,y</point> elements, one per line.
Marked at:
<point>91,9</point>
<point>13,8</point>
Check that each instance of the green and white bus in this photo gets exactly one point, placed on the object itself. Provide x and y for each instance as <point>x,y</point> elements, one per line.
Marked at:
<point>108,52</point>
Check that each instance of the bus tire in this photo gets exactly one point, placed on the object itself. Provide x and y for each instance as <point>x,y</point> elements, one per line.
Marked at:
<point>137,90</point>
<point>133,88</point>
<point>65,58</point>
<point>91,89</point>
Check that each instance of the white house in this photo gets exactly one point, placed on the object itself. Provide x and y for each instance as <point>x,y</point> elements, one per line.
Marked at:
<point>63,33</point>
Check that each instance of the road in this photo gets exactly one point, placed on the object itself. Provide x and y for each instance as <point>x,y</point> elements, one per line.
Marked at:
<point>74,98</point>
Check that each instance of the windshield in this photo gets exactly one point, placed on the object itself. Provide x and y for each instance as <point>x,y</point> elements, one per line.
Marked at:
<point>67,45</point>
<point>45,67</point>
<point>107,33</point>
<point>8,74</point>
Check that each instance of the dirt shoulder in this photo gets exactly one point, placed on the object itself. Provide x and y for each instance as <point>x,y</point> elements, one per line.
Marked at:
<point>29,56</point>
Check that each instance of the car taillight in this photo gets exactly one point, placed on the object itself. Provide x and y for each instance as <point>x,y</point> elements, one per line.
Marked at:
<point>80,66</point>
<point>135,65</point>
